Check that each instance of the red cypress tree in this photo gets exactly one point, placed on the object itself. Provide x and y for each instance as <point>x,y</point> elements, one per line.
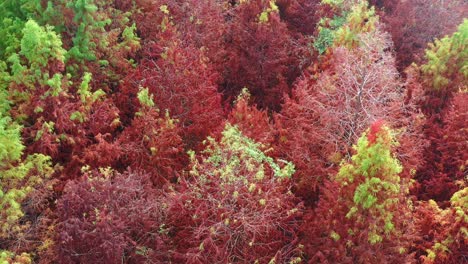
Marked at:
<point>262,54</point>
<point>321,121</point>
<point>152,142</point>
<point>444,79</point>
<point>444,230</point>
<point>300,15</point>
<point>109,217</point>
<point>181,80</point>
<point>412,28</point>
<point>447,163</point>
<point>252,122</point>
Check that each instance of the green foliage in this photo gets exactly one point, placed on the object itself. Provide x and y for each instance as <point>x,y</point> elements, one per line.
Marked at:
<point>264,16</point>
<point>7,257</point>
<point>11,147</point>
<point>4,102</point>
<point>10,30</point>
<point>374,171</point>
<point>39,46</point>
<point>16,183</point>
<point>130,39</point>
<point>83,44</point>
<point>13,16</point>
<point>145,97</point>
<point>86,96</point>
<point>17,179</point>
<point>334,3</point>
<point>243,150</point>
<point>326,35</point>
<point>344,28</point>
<point>447,58</point>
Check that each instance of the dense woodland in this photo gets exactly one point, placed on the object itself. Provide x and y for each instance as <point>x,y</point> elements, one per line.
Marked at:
<point>224,131</point>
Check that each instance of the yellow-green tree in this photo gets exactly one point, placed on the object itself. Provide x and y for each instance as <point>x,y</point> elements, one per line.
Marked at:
<point>18,178</point>
<point>363,214</point>
<point>447,61</point>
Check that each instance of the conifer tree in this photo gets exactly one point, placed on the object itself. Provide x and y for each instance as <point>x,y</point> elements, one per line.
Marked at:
<point>444,77</point>
<point>446,67</point>
<point>252,122</point>
<point>152,142</point>
<point>363,215</point>
<point>18,180</point>
<point>444,231</point>
<point>235,207</point>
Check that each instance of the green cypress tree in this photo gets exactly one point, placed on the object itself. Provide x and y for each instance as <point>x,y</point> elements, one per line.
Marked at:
<point>363,212</point>
<point>87,25</point>
<point>447,61</point>
<point>17,178</point>
<point>372,179</point>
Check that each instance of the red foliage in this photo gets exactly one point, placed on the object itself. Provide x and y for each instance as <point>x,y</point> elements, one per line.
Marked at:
<point>324,116</point>
<point>252,122</point>
<point>67,141</point>
<point>443,231</point>
<point>304,139</point>
<point>445,159</point>
<point>454,145</point>
<point>152,143</point>
<point>124,189</point>
<point>233,209</point>
<point>109,218</point>
<point>374,130</point>
<point>415,23</point>
<point>181,81</point>
<point>262,56</point>
<point>300,15</point>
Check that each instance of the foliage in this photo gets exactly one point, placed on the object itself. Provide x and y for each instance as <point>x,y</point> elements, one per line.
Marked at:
<point>252,122</point>
<point>444,76</point>
<point>19,179</point>
<point>444,229</point>
<point>173,127</point>
<point>41,48</point>
<point>412,28</point>
<point>300,15</point>
<point>264,56</point>
<point>152,142</point>
<point>110,217</point>
<point>235,207</point>
<point>446,66</point>
<point>7,257</point>
<point>328,111</point>
<point>446,157</point>
<point>181,82</point>
<point>363,214</point>
<point>344,28</point>
<point>15,13</point>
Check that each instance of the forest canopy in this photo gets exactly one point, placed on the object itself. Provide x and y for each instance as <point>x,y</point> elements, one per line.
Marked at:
<point>226,131</point>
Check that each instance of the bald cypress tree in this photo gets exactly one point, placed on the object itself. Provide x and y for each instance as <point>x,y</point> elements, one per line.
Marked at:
<point>363,214</point>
